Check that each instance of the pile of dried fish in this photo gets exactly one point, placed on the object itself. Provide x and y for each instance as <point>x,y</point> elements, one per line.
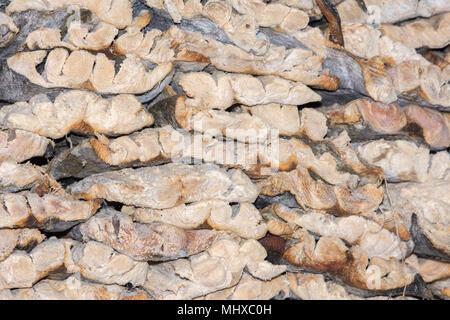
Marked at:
<point>224,149</point>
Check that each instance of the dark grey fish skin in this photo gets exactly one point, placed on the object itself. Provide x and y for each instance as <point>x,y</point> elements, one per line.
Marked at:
<point>3,4</point>
<point>15,87</point>
<point>163,112</point>
<point>362,133</point>
<point>75,233</point>
<point>344,95</point>
<point>81,161</point>
<point>422,245</point>
<point>417,289</point>
<point>29,21</point>
<point>346,69</point>
<point>287,199</point>
<point>161,20</point>
<point>282,39</point>
<point>332,15</point>
<point>156,90</point>
<point>78,162</point>
<point>56,225</point>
